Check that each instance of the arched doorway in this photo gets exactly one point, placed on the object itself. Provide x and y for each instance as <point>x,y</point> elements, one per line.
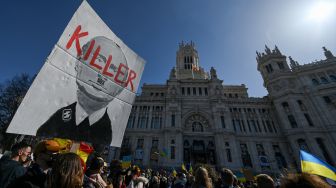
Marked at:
<point>198,143</point>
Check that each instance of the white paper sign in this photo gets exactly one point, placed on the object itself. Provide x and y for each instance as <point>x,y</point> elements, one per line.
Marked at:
<point>85,89</point>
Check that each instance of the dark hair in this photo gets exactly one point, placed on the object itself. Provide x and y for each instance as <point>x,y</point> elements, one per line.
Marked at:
<point>67,172</point>
<point>18,146</point>
<point>227,176</point>
<point>303,180</point>
<point>264,181</point>
<point>96,163</point>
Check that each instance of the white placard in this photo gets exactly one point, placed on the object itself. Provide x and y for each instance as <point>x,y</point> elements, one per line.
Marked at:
<point>85,89</point>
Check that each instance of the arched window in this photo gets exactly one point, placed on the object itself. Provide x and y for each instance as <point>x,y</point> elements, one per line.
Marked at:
<point>315,82</point>
<point>197,127</point>
<point>197,123</point>
<point>332,78</point>
<point>324,80</point>
<point>302,106</point>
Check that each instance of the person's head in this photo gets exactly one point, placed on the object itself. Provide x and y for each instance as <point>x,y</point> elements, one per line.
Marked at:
<point>155,180</point>
<point>303,180</point>
<point>67,172</point>
<point>182,177</point>
<point>135,171</point>
<point>94,78</point>
<point>227,176</point>
<point>45,152</point>
<point>264,181</point>
<point>21,152</point>
<point>202,178</point>
<point>96,165</point>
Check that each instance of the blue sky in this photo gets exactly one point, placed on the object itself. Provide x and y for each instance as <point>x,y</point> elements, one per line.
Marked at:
<point>226,33</point>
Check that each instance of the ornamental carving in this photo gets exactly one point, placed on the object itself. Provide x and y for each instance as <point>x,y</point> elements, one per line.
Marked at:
<point>197,123</point>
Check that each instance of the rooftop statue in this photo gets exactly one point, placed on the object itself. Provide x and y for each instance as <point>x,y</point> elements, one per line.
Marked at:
<point>213,73</point>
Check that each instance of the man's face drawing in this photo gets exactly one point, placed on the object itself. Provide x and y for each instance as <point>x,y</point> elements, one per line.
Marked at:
<point>95,88</point>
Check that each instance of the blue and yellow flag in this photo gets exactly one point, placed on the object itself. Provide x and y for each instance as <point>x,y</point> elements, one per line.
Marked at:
<point>314,165</point>
<point>190,169</point>
<point>183,167</point>
<point>174,172</point>
<point>164,153</point>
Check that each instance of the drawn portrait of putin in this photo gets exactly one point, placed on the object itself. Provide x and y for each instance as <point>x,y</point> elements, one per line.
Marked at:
<point>87,119</point>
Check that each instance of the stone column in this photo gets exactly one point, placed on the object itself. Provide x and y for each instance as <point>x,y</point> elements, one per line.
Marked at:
<point>271,155</point>
<point>236,153</point>
<point>136,117</point>
<point>146,150</point>
<point>219,149</point>
<point>254,155</point>
<point>150,115</point>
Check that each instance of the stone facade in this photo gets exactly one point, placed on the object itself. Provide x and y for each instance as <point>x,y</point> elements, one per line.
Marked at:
<point>195,118</point>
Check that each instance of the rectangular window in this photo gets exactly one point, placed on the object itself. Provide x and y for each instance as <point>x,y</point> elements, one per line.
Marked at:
<point>194,91</point>
<point>324,150</point>
<point>259,126</point>
<point>228,155</point>
<point>173,120</point>
<point>264,125</point>
<point>188,91</point>
<point>269,126</point>
<point>292,121</point>
<point>155,143</point>
<point>160,122</point>
<point>155,123</point>
<point>206,91</point>
<point>200,91</point>
<point>309,120</point>
<point>239,125</point>
<point>254,126</point>
<point>140,143</point>
<point>172,152</point>
<point>129,122</point>
<point>223,122</point>
<point>281,65</point>
<point>243,125</point>
<point>142,123</point>
<point>249,126</point>
<point>234,125</point>
<point>182,90</point>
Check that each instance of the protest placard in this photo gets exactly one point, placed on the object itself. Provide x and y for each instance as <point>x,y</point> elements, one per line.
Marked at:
<point>85,89</point>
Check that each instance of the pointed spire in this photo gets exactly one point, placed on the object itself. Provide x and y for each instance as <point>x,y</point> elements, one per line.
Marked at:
<point>327,53</point>
<point>267,50</point>
<point>277,50</point>
<point>293,63</point>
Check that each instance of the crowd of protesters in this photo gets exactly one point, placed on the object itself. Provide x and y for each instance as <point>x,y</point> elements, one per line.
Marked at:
<point>49,168</point>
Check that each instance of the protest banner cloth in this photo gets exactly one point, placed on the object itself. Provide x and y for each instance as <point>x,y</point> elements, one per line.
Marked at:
<point>85,89</point>
<point>248,174</point>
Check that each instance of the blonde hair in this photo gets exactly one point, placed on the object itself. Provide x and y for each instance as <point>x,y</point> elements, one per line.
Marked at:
<point>202,179</point>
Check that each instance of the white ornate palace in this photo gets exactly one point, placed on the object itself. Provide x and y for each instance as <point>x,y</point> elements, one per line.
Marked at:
<point>195,118</point>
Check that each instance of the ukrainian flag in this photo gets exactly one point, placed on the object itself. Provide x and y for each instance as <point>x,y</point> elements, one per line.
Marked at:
<point>314,165</point>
